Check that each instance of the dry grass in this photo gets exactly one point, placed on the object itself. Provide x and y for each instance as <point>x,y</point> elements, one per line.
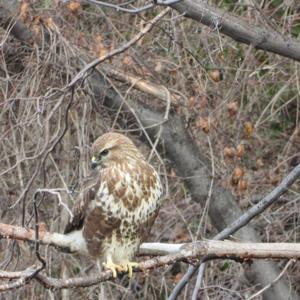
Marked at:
<point>259,90</point>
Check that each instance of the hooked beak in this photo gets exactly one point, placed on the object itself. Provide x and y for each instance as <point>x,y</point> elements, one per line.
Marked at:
<point>94,162</point>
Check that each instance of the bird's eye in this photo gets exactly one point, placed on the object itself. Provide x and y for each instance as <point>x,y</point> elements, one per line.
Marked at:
<point>104,153</point>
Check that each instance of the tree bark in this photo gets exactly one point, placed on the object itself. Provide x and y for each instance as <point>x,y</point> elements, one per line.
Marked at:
<point>214,249</point>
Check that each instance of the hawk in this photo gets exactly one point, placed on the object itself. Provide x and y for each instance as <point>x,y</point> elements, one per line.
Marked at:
<point>117,204</point>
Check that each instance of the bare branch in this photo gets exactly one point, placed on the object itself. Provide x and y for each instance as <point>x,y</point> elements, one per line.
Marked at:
<point>243,220</point>
<point>226,23</point>
<point>23,278</point>
<point>132,10</point>
<point>141,84</point>
<point>280,250</point>
<point>119,50</point>
<point>261,205</point>
<point>177,252</point>
<point>242,32</point>
<point>290,262</point>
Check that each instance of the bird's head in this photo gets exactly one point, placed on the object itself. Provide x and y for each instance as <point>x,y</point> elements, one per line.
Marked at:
<point>113,148</point>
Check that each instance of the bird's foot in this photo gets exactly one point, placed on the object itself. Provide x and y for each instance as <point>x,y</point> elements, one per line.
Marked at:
<point>129,267</point>
<point>124,267</point>
<point>114,268</point>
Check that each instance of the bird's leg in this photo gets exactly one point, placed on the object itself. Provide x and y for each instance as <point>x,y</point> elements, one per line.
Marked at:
<point>114,267</point>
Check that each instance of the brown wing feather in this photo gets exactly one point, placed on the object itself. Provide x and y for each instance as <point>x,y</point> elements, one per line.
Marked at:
<point>88,189</point>
<point>98,227</point>
<point>145,227</point>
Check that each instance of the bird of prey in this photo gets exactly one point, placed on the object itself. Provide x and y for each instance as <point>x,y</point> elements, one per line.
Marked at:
<point>117,204</point>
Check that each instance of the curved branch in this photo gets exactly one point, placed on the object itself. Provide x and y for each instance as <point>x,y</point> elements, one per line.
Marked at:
<point>22,276</point>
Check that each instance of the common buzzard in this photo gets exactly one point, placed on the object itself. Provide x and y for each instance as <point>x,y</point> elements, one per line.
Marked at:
<point>117,204</point>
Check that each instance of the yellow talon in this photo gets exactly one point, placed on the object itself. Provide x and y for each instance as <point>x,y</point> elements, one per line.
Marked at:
<point>131,265</point>
<point>114,268</point>
<point>125,267</point>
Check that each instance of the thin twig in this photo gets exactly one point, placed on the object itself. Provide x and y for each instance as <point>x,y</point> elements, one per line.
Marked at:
<point>133,10</point>
<point>80,75</point>
<point>198,281</point>
<point>290,262</point>
<point>36,237</point>
<point>60,201</point>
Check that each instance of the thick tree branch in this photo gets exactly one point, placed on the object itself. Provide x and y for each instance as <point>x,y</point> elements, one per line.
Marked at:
<point>176,252</point>
<point>226,23</point>
<point>239,30</point>
<point>209,247</point>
